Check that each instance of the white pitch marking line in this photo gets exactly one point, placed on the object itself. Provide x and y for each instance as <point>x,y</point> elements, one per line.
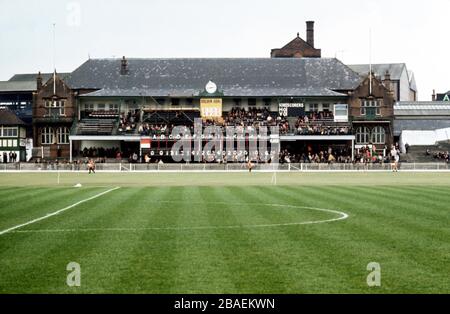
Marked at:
<point>342,215</point>
<point>57,212</point>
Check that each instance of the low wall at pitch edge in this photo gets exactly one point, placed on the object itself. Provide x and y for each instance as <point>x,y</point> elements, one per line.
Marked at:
<point>127,167</point>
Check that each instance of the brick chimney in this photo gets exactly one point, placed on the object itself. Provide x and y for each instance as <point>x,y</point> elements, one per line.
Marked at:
<point>39,81</point>
<point>310,33</point>
<point>124,66</point>
<point>433,97</point>
<point>387,80</point>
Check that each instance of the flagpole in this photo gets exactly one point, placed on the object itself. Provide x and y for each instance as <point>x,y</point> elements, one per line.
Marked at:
<point>370,61</point>
<point>54,57</point>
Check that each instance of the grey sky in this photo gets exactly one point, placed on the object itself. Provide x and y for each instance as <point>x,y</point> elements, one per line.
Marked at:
<point>414,32</point>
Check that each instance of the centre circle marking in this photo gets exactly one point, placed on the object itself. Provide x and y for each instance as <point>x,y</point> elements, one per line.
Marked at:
<point>342,216</point>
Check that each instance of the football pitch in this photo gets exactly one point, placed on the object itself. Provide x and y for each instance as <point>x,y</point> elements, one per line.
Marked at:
<point>225,232</point>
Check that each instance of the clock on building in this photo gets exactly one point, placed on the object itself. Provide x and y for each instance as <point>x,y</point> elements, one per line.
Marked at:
<point>211,87</point>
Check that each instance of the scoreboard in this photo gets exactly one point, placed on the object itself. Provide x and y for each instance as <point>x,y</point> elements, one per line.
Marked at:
<point>211,107</point>
<point>291,109</point>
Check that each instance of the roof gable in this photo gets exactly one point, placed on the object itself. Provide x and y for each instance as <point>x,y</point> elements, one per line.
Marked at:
<point>297,44</point>
<point>395,69</point>
<point>57,78</point>
<point>26,82</point>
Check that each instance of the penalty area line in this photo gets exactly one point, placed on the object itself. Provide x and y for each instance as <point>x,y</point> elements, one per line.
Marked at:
<point>57,212</point>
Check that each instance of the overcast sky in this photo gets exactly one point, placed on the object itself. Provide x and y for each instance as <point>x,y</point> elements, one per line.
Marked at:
<point>415,32</point>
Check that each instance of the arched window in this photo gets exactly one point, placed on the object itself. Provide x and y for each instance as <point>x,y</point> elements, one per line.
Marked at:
<point>378,135</point>
<point>47,135</point>
<point>62,135</point>
<point>362,135</point>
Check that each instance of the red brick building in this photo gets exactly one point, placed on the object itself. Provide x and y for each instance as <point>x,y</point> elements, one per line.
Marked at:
<point>298,48</point>
<point>54,110</point>
<point>371,111</point>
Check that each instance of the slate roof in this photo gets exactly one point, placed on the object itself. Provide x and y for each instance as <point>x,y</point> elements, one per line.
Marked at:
<point>7,86</point>
<point>395,69</point>
<point>422,108</point>
<point>7,117</point>
<point>25,82</point>
<point>419,125</point>
<point>33,76</point>
<point>256,77</point>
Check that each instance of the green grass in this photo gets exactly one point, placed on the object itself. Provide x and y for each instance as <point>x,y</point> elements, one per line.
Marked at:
<point>145,236</point>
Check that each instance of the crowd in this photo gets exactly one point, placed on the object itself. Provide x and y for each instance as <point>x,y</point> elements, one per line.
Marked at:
<point>313,123</point>
<point>11,157</point>
<point>316,116</point>
<point>128,121</point>
<point>441,156</point>
<point>317,123</point>
<point>369,154</point>
<point>237,117</point>
<point>337,155</point>
<point>320,129</point>
<point>253,117</point>
<point>100,152</point>
<point>147,129</point>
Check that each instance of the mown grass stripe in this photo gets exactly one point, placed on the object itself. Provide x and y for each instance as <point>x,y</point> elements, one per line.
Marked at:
<point>406,236</point>
<point>399,236</point>
<point>54,213</point>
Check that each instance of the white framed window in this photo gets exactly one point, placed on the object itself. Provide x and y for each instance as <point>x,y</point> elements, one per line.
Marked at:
<point>9,132</point>
<point>47,135</point>
<point>326,107</point>
<point>114,107</point>
<point>362,135</point>
<point>378,135</point>
<point>55,107</point>
<point>370,104</point>
<point>62,135</point>
<point>313,107</point>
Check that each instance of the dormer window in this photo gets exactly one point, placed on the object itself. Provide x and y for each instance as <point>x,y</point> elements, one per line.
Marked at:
<point>371,107</point>
<point>55,107</point>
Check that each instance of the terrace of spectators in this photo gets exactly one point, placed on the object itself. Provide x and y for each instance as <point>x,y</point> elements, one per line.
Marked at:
<point>314,123</point>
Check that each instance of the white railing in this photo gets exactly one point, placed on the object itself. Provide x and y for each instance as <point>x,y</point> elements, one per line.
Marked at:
<point>236,167</point>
